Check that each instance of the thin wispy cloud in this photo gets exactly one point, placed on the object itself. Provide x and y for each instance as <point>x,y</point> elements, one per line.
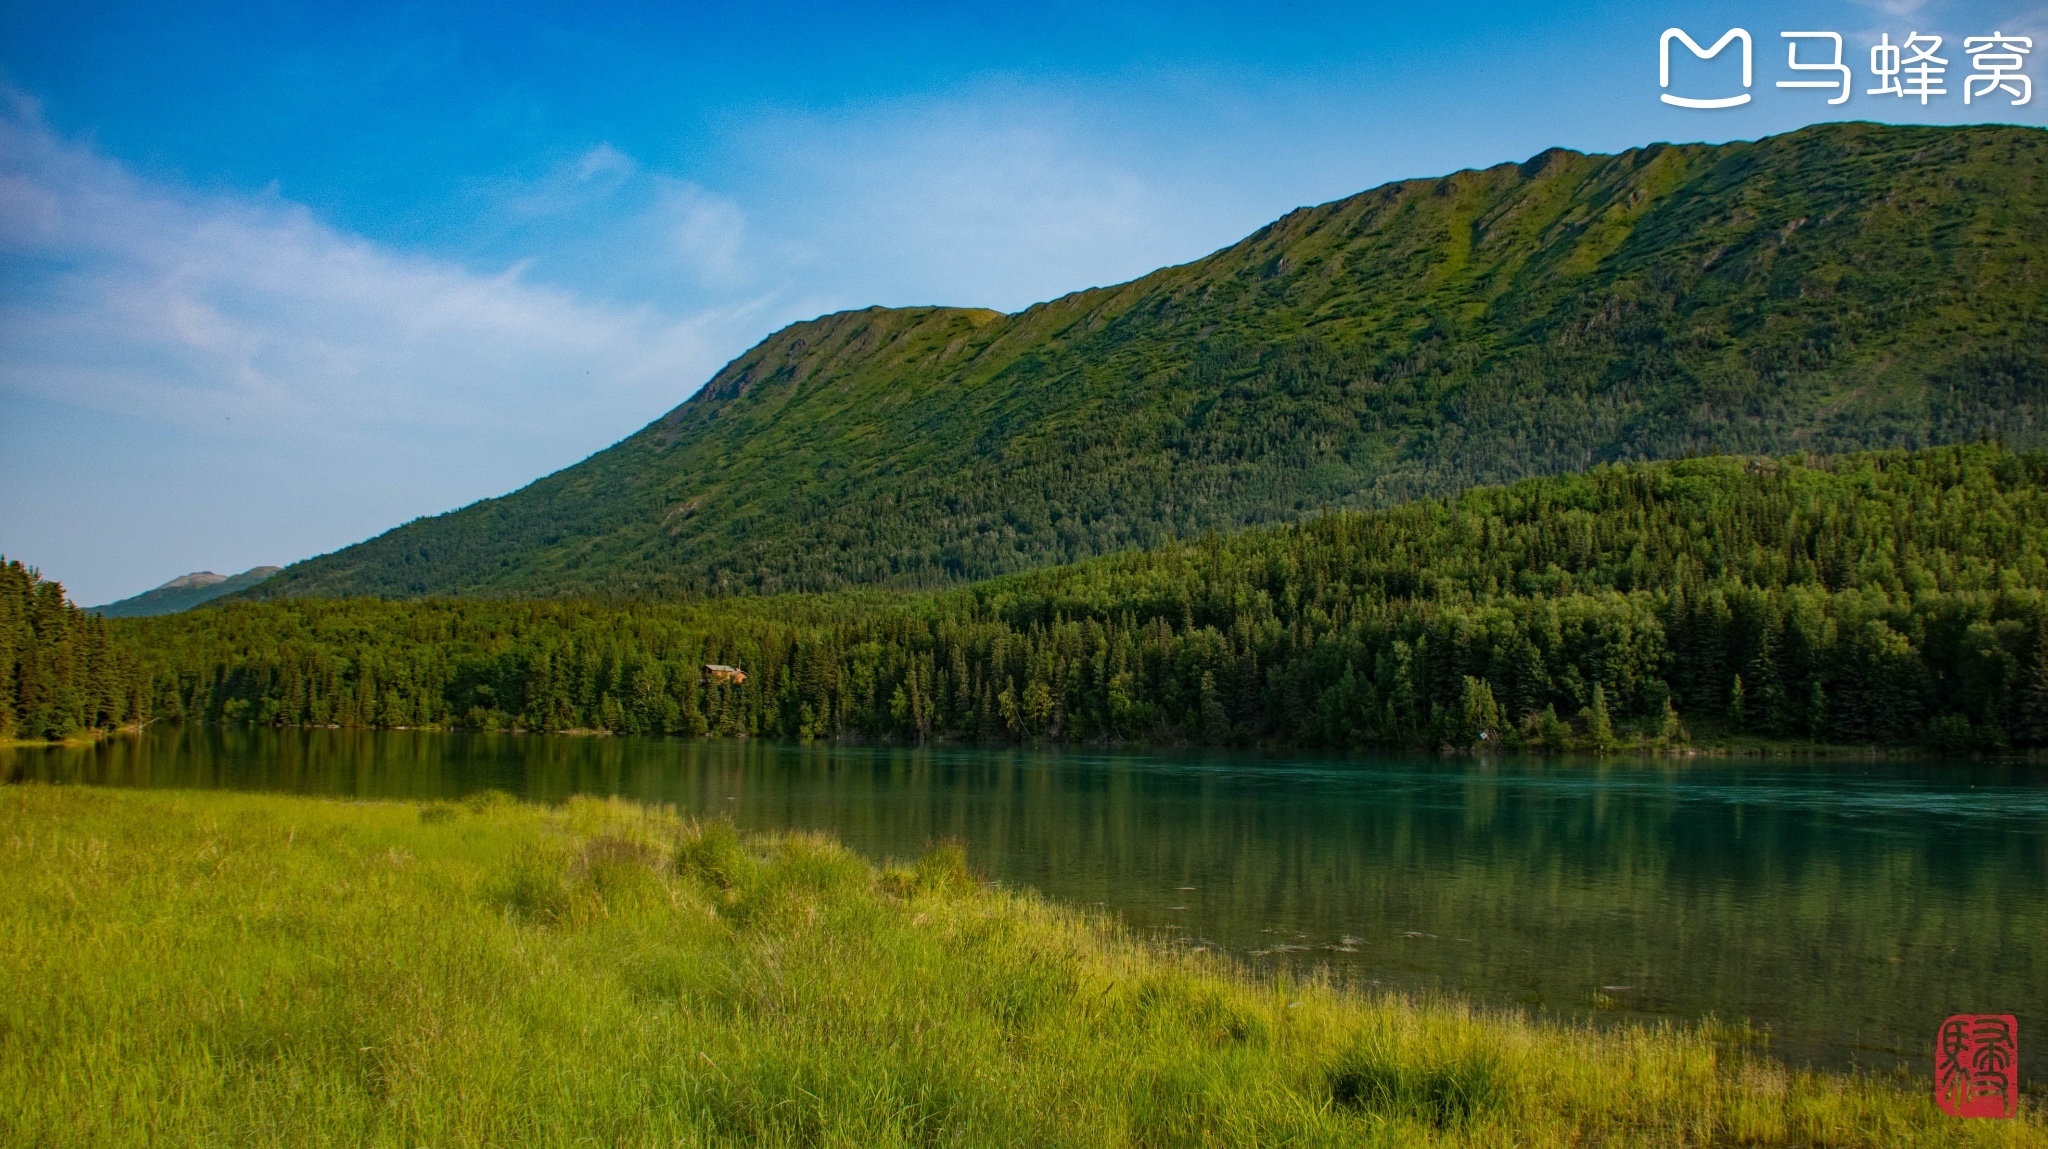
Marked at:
<point>993,197</point>
<point>245,324</point>
<point>132,298</point>
<point>587,180</point>
<point>706,235</point>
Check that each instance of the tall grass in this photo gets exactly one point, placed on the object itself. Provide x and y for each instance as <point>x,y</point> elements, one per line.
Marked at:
<point>240,969</point>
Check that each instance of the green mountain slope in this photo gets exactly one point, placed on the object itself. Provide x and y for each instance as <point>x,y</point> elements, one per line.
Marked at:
<point>1844,286</point>
<point>184,593</point>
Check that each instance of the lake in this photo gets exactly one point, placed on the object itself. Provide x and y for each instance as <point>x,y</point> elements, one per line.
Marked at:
<point>1842,907</point>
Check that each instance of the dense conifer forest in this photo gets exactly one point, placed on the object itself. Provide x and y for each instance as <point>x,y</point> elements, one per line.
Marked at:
<point>60,674</point>
<point>1888,597</point>
<point>1844,287</point>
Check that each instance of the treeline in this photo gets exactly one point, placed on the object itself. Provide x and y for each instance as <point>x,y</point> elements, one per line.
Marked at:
<point>60,674</point>
<point>1887,597</point>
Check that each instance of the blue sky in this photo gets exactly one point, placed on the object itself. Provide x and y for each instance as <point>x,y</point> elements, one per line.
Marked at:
<point>276,278</point>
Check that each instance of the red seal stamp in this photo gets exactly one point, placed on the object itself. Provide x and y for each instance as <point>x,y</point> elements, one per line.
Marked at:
<point>1977,1065</point>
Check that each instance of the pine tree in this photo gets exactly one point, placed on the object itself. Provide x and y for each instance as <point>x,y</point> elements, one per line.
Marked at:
<point>1599,723</point>
<point>1554,732</point>
<point>1670,731</point>
<point>1215,721</point>
<point>1478,716</point>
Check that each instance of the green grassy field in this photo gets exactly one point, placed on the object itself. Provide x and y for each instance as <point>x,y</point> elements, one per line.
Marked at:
<point>187,968</point>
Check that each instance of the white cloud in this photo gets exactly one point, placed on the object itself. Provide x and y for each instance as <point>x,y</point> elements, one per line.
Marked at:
<point>214,329</point>
<point>708,233</point>
<point>589,179</point>
<point>996,197</point>
<point>197,310</point>
<point>2031,23</point>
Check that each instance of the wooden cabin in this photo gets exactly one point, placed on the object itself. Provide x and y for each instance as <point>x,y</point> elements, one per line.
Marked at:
<point>719,672</point>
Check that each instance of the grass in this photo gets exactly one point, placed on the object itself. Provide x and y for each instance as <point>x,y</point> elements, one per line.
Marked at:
<point>209,968</point>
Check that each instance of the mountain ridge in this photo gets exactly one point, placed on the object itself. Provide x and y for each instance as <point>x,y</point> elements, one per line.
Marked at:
<point>1844,286</point>
<point>183,593</point>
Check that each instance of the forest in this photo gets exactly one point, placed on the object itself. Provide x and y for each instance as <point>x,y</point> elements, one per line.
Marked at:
<point>61,674</point>
<point>1882,597</point>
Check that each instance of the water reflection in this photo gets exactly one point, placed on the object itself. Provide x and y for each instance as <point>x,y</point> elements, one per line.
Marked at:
<point>1845,907</point>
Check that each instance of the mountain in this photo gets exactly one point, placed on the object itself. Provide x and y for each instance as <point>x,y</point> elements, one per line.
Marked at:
<point>184,593</point>
<point>1840,287</point>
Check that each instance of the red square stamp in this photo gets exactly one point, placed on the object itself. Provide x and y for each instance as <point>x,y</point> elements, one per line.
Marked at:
<point>1977,1065</point>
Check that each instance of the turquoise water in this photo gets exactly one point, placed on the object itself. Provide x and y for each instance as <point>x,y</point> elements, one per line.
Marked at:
<point>1842,908</point>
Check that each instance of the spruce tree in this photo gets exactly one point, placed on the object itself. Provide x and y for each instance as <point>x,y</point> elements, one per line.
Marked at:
<point>1599,723</point>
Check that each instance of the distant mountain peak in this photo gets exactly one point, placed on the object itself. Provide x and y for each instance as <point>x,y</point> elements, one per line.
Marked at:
<point>184,592</point>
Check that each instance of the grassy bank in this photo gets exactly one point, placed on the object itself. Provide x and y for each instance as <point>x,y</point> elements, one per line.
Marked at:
<point>238,969</point>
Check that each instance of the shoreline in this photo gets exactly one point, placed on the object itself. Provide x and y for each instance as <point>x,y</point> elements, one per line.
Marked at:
<point>1715,748</point>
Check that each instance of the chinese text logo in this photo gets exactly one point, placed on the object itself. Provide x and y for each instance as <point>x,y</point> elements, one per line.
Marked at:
<point>1910,69</point>
<point>1977,1065</point>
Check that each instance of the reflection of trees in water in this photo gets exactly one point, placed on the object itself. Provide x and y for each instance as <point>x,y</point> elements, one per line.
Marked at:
<point>1777,893</point>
